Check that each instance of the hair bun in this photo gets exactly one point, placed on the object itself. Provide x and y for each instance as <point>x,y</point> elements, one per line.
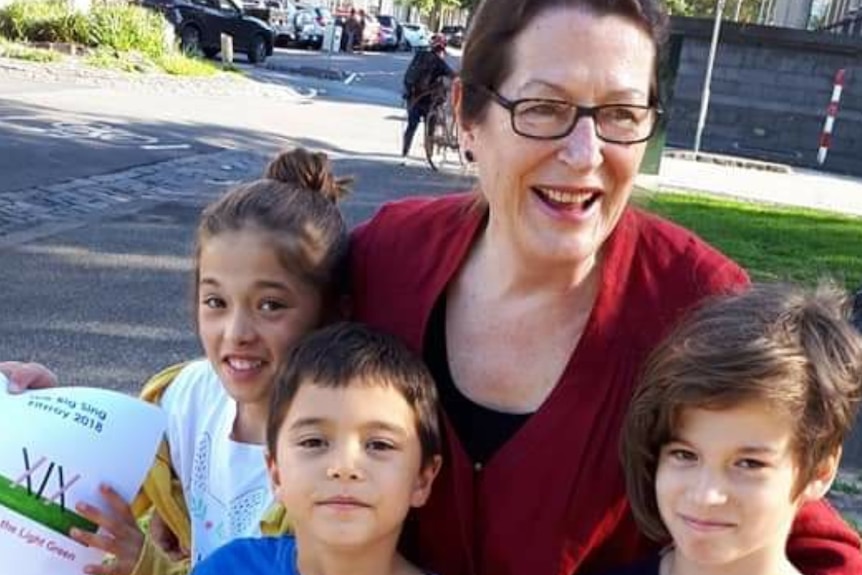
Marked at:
<point>308,170</point>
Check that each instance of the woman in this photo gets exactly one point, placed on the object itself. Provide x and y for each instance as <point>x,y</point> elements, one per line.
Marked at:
<point>536,300</point>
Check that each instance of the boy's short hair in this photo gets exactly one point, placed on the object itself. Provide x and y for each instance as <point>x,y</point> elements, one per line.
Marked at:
<point>790,348</point>
<point>346,354</point>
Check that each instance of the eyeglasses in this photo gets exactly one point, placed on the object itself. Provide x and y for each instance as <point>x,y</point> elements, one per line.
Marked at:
<point>548,119</point>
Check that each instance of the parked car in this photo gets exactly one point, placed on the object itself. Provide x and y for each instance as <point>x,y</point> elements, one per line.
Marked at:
<point>199,25</point>
<point>310,23</point>
<point>279,14</point>
<point>415,36</point>
<point>454,35</point>
<point>371,33</point>
<point>390,33</point>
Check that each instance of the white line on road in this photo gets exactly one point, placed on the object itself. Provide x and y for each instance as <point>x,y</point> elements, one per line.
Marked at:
<point>165,147</point>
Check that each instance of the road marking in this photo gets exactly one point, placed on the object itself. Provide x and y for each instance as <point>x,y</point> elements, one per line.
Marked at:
<point>83,131</point>
<point>165,147</point>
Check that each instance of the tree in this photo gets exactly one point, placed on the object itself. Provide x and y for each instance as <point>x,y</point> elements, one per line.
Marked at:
<point>748,9</point>
<point>431,8</point>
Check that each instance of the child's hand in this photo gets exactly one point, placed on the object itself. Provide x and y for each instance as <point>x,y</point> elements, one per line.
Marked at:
<point>24,376</point>
<point>165,539</point>
<point>118,535</point>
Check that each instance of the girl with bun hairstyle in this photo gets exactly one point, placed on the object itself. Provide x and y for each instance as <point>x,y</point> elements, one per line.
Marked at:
<point>270,258</point>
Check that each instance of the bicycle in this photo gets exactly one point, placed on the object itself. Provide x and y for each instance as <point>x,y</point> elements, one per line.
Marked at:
<point>441,129</point>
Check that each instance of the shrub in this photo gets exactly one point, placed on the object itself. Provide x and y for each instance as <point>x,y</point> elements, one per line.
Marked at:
<point>127,28</point>
<point>42,21</point>
<point>115,25</point>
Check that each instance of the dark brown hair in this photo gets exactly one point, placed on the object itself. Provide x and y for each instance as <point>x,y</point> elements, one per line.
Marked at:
<point>296,205</point>
<point>346,354</point>
<point>488,57</point>
<point>791,349</point>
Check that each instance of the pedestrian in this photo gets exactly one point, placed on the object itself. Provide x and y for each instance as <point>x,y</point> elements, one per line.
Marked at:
<point>270,258</point>
<point>423,85</point>
<point>352,445</point>
<point>737,424</point>
<point>536,298</point>
<point>360,30</point>
<point>350,30</point>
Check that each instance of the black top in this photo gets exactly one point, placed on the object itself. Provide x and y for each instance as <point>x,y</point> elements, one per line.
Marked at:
<point>648,567</point>
<point>482,431</point>
<point>424,76</point>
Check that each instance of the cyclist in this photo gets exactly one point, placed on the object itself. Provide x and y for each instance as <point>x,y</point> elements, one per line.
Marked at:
<point>422,80</point>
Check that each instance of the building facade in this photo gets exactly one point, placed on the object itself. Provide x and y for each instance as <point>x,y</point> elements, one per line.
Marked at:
<point>844,17</point>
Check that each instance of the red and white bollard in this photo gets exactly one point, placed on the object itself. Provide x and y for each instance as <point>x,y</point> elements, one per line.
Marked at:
<point>831,112</point>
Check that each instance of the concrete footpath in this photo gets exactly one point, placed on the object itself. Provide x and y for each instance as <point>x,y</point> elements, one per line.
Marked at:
<point>770,183</point>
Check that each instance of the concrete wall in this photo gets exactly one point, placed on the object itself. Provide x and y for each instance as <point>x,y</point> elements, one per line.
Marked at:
<point>769,94</point>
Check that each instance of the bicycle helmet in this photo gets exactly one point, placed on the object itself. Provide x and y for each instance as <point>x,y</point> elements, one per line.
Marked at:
<point>438,42</point>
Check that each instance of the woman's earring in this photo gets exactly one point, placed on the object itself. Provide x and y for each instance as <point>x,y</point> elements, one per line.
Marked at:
<point>468,155</point>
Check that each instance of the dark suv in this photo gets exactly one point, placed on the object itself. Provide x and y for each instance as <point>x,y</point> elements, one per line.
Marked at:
<point>454,35</point>
<point>199,25</point>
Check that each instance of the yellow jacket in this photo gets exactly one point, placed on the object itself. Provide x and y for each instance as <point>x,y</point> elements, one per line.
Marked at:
<point>162,493</point>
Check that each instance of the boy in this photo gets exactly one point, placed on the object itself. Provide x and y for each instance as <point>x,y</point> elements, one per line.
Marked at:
<point>739,421</point>
<point>352,444</point>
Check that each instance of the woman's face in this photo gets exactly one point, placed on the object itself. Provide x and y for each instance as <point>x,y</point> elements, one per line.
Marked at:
<point>558,200</point>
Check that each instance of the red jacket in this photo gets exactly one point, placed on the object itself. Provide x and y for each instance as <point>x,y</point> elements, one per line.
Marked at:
<point>551,501</point>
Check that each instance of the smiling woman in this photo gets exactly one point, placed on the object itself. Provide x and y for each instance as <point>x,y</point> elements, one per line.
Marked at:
<point>536,298</point>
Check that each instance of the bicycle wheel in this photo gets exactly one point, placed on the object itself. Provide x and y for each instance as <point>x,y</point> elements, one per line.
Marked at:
<point>435,139</point>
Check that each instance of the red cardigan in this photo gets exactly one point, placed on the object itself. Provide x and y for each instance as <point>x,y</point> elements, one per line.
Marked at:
<point>551,501</point>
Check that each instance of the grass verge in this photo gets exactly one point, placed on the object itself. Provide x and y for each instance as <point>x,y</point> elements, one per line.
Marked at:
<point>123,37</point>
<point>175,64</point>
<point>771,242</point>
<point>12,50</point>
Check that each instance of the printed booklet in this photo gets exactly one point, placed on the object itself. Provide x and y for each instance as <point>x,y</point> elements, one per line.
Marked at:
<point>58,445</point>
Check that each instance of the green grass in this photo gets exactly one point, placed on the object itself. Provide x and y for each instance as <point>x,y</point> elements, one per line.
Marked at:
<point>176,64</point>
<point>772,243</point>
<point>848,487</point>
<point>49,514</point>
<point>123,61</point>
<point>179,64</point>
<point>12,50</point>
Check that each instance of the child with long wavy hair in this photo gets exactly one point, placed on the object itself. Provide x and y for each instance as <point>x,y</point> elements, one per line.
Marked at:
<point>738,423</point>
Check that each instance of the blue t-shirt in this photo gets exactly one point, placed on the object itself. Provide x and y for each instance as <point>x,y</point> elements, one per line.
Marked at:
<point>253,556</point>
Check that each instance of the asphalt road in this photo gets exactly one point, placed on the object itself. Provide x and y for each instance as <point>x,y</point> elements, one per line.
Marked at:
<point>105,299</point>
<point>42,145</point>
<point>107,302</point>
<point>379,70</point>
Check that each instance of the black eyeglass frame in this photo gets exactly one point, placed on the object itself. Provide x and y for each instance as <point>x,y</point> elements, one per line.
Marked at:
<point>580,112</point>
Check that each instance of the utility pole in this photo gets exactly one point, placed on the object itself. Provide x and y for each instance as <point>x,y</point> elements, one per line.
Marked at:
<point>704,97</point>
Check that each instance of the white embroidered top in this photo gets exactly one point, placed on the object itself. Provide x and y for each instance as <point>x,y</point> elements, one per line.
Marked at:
<point>225,483</point>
